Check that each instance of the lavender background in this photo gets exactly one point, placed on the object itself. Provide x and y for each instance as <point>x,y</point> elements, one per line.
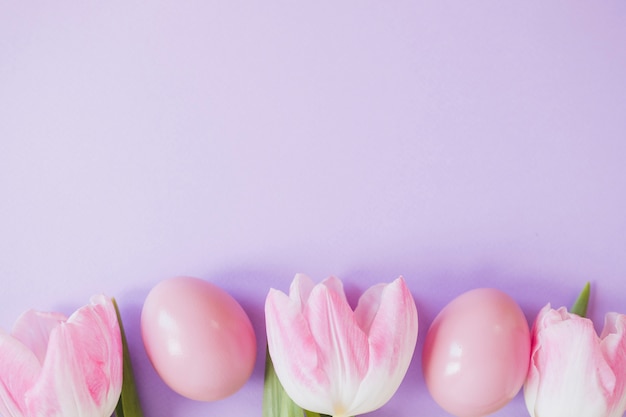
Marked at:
<point>459,145</point>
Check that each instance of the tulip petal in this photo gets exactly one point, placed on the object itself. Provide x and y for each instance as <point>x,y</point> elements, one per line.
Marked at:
<point>613,345</point>
<point>531,386</point>
<point>293,351</point>
<point>82,371</point>
<point>391,314</point>
<point>335,286</point>
<point>367,308</point>
<point>300,289</point>
<point>19,371</point>
<point>343,349</point>
<point>33,329</point>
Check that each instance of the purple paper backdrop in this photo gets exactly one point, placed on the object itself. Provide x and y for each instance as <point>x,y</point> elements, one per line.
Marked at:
<point>458,145</point>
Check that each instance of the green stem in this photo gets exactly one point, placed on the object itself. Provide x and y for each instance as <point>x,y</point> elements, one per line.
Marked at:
<point>313,414</point>
<point>128,404</point>
<point>580,306</point>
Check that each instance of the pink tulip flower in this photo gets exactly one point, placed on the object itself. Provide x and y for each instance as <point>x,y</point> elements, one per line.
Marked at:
<point>573,372</point>
<point>52,366</point>
<point>336,361</point>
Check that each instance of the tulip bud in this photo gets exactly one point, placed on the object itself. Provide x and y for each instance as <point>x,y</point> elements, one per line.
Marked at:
<point>55,366</point>
<point>336,361</point>
<point>573,372</point>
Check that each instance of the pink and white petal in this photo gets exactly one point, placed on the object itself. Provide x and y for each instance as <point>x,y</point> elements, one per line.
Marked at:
<point>531,385</point>
<point>549,316</point>
<point>300,289</point>
<point>614,323</point>
<point>613,345</point>
<point>368,306</point>
<point>343,349</point>
<point>33,329</point>
<point>82,372</point>
<point>613,342</point>
<point>392,340</point>
<point>573,373</point>
<point>19,369</point>
<point>335,285</point>
<point>294,353</point>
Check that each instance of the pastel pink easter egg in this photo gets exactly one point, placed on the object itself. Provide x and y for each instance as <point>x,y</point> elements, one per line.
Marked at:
<point>476,353</point>
<point>198,338</point>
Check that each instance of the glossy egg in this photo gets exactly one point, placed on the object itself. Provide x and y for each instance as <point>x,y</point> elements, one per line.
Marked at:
<point>198,338</point>
<point>476,353</point>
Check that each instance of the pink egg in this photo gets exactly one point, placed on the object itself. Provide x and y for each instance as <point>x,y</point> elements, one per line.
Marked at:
<point>198,338</point>
<point>476,353</point>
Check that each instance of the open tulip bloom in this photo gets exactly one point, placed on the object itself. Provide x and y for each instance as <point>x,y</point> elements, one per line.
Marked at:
<point>573,372</point>
<point>52,366</point>
<point>336,361</point>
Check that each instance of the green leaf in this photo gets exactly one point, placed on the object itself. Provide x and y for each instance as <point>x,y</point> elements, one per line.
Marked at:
<point>128,404</point>
<point>276,402</point>
<point>580,306</point>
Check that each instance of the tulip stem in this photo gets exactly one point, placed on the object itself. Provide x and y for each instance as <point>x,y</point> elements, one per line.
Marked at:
<point>580,306</point>
<point>128,404</point>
